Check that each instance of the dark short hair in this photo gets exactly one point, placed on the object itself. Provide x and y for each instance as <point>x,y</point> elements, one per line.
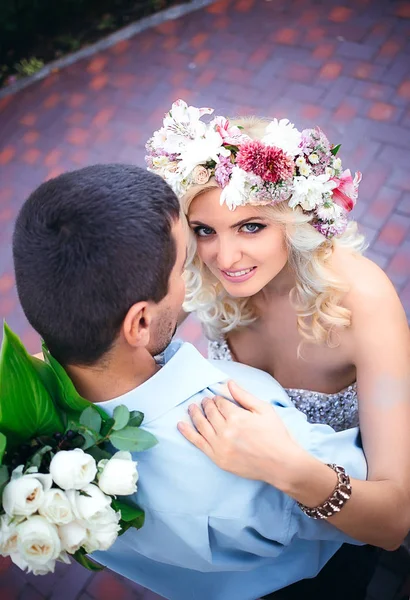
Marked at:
<point>88,245</point>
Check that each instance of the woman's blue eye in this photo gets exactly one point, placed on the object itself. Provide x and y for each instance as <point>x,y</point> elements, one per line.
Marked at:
<point>201,231</point>
<point>252,227</point>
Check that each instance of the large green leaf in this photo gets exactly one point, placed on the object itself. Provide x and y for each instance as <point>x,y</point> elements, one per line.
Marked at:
<point>3,444</point>
<point>26,407</point>
<point>68,397</point>
<point>121,417</point>
<point>133,439</point>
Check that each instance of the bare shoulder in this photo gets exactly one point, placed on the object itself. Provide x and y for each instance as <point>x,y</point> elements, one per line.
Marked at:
<point>367,283</point>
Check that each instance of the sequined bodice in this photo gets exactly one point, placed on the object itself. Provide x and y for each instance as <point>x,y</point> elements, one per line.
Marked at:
<point>339,410</point>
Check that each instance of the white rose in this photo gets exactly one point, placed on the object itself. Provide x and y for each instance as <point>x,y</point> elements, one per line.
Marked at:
<point>89,504</point>
<point>119,475</point>
<point>56,507</point>
<point>200,175</point>
<point>38,544</point>
<point>102,534</point>
<point>8,536</point>
<point>72,536</point>
<point>73,469</point>
<point>24,495</point>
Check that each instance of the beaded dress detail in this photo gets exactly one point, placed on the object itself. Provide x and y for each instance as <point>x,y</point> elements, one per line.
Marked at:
<point>340,410</point>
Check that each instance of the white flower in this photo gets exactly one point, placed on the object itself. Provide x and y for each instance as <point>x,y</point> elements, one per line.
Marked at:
<point>38,544</point>
<point>235,192</point>
<point>8,536</point>
<point>329,211</point>
<point>160,162</point>
<point>102,534</point>
<point>308,192</point>
<point>56,507</point>
<point>24,495</point>
<point>159,139</point>
<point>284,135</point>
<point>313,158</point>
<point>182,125</point>
<point>72,469</point>
<point>119,475</point>
<point>89,504</point>
<point>177,182</point>
<point>300,161</point>
<point>305,170</point>
<point>72,536</point>
<point>201,150</point>
<point>337,164</point>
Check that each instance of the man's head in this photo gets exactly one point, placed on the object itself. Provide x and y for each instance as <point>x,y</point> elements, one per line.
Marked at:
<point>99,255</point>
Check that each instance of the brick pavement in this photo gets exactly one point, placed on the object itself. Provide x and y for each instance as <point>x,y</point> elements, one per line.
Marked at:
<point>342,67</point>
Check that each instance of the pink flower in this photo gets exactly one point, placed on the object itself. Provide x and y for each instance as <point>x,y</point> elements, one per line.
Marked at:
<point>270,163</point>
<point>230,134</point>
<point>346,192</point>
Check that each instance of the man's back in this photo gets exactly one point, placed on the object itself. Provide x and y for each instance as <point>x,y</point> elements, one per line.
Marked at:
<point>209,534</point>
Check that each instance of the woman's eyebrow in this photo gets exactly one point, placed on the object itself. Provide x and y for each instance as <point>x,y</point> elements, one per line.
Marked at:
<point>247,220</point>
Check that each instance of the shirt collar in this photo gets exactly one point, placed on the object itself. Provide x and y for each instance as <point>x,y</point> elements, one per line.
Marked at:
<point>185,373</point>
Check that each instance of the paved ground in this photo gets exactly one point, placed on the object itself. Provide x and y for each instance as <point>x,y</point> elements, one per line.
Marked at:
<point>343,67</point>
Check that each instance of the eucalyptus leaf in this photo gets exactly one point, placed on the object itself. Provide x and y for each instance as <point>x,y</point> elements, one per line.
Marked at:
<point>91,418</point>
<point>98,453</point>
<point>4,479</point>
<point>90,438</point>
<point>84,560</point>
<point>37,458</point>
<point>3,444</point>
<point>121,417</point>
<point>26,409</point>
<point>107,427</point>
<point>136,418</point>
<point>133,439</point>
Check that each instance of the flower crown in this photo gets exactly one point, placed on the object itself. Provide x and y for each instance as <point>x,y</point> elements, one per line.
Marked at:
<point>286,165</point>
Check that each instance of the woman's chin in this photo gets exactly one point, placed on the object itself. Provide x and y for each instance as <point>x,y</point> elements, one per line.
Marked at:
<point>242,290</point>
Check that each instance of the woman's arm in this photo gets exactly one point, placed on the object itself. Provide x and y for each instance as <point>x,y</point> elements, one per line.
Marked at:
<point>253,444</point>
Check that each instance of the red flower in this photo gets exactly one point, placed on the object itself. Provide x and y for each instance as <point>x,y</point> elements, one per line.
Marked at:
<point>346,192</point>
<point>270,163</point>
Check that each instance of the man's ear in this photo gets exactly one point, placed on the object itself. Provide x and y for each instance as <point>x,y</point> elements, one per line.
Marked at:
<point>136,325</point>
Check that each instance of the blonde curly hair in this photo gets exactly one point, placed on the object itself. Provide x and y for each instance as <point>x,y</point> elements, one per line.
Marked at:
<point>318,291</point>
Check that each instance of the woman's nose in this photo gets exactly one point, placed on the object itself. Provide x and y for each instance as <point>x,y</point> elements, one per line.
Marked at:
<point>228,255</point>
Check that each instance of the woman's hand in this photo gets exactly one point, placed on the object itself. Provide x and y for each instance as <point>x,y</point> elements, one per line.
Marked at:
<point>252,443</point>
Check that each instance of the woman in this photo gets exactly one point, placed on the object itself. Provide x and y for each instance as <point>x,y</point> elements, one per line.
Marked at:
<point>276,276</point>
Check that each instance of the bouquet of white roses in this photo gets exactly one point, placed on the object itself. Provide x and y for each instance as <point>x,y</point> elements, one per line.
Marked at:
<point>58,482</point>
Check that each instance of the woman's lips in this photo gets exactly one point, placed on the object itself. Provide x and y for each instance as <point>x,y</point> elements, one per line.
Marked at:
<point>239,275</point>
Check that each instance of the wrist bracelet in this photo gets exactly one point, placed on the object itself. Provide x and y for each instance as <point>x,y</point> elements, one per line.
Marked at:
<point>336,501</point>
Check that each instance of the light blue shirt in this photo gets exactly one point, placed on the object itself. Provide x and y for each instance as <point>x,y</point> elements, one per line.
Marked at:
<point>208,534</point>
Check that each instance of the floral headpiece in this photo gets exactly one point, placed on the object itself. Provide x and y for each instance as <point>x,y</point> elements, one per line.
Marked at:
<point>286,165</point>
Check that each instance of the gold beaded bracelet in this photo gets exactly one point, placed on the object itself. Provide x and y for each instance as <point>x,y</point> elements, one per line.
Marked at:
<point>336,501</point>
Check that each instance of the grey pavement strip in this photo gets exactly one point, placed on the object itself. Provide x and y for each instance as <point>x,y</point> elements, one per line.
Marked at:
<point>169,14</point>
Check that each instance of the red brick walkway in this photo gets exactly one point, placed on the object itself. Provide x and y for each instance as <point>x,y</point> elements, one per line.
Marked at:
<point>345,68</point>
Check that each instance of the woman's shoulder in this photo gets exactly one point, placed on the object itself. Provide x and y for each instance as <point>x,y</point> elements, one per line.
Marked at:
<point>365,280</point>
<point>371,296</point>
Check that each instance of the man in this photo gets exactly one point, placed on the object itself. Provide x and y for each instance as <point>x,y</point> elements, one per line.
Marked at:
<point>99,258</point>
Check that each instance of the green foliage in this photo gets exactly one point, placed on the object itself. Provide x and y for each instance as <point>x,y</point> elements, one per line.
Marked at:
<point>121,417</point>
<point>29,66</point>
<point>26,407</point>
<point>133,439</point>
<point>81,557</point>
<point>335,149</point>
<point>3,444</point>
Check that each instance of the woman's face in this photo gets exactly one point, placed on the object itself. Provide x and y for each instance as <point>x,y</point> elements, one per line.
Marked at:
<point>243,248</point>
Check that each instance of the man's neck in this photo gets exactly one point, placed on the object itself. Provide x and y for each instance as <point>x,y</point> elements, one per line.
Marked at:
<point>114,377</point>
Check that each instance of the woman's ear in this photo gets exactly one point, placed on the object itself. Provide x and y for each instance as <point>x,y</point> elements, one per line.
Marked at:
<point>136,325</point>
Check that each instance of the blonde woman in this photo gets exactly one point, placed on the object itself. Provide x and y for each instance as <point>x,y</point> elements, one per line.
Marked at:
<point>276,275</point>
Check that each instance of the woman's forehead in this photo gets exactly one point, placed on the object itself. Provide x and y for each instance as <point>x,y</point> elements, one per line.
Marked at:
<point>207,207</point>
